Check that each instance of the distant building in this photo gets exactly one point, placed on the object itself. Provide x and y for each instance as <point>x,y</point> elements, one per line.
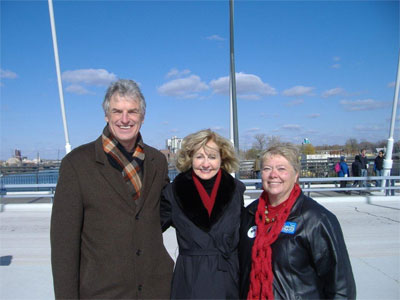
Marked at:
<point>17,154</point>
<point>174,144</point>
<point>169,156</point>
<point>13,162</point>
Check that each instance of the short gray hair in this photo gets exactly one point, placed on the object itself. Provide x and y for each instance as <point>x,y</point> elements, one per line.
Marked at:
<point>124,88</point>
<point>287,150</point>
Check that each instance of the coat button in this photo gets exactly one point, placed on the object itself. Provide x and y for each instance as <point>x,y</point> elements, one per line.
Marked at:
<point>138,252</point>
<point>140,287</point>
<point>137,217</point>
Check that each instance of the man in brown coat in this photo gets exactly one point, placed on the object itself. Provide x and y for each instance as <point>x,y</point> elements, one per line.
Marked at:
<point>106,239</point>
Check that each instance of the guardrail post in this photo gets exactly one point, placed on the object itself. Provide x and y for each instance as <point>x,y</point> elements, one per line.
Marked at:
<point>2,192</point>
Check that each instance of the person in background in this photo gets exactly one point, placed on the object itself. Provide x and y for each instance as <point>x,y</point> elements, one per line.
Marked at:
<point>106,239</point>
<point>203,204</point>
<point>343,172</point>
<point>364,166</point>
<point>395,171</point>
<point>356,171</point>
<point>291,247</point>
<point>257,171</point>
<point>378,167</point>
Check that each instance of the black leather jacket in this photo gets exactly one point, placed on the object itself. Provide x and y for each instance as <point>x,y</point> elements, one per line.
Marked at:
<point>309,261</point>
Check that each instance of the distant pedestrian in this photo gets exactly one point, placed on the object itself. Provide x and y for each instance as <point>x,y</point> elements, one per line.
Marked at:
<point>364,166</point>
<point>356,170</point>
<point>257,171</point>
<point>395,171</point>
<point>343,172</point>
<point>378,167</point>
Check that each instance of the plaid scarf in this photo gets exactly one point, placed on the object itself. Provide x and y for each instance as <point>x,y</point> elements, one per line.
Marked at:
<point>131,169</point>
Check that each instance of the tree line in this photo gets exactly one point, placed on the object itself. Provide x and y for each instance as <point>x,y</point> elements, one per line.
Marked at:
<point>351,147</point>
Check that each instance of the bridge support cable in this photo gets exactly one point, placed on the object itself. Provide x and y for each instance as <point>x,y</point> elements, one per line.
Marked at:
<point>60,88</point>
<point>234,136</point>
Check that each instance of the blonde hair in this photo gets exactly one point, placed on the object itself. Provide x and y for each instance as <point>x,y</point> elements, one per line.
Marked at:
<point>287,150</point>
<point>195,141</point>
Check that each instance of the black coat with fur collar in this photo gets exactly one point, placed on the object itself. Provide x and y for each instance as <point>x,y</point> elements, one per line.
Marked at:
<point>207,266</point>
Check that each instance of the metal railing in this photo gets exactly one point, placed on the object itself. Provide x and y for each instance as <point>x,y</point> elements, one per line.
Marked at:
<point>331,184</point>
<point>325,184</point>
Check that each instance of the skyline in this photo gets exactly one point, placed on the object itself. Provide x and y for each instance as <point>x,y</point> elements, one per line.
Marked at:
<point>322,70</point>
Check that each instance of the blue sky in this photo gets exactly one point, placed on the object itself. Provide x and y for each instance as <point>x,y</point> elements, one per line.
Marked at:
<point>322,70</point>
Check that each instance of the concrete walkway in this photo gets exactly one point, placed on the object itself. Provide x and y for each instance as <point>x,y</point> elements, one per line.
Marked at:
<point>371,226</point>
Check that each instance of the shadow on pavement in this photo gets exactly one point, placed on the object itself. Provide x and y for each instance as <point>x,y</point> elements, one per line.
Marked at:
<point>5,260</point>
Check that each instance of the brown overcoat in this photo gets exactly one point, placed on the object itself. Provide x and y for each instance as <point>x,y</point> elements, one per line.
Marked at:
<point>104,245</point>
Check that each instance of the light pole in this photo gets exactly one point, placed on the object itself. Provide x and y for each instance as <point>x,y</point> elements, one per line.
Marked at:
<point>60,89</point>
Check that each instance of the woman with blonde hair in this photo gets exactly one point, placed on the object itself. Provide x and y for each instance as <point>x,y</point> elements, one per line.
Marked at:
<point>291,247</point>
<point>203,204</point>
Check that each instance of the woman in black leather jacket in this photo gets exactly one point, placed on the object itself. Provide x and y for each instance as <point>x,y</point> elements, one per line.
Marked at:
<point>291,247</point>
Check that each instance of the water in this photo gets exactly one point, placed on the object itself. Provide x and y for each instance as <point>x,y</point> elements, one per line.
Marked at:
<point>46,177</point>
<point>40,177</point>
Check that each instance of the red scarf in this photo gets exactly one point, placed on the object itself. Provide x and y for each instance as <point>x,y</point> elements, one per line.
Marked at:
<point>208,200</point>
<point>261,276</point>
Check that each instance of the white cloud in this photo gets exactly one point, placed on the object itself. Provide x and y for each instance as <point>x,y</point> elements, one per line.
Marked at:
<point>254,129</point>
<point>293,127</point>
<point>188,87</point>
<point>336,58</point>
<point>391,84</point>
<point>7,74</point>
<point>336,66</point>
<point>298,90</point>
<point>269,115</point>
<point>362,105</point>
<point>369,128</point>
<point>215,37</point>
<point>248,86</point>
<point>295,102</point>
<point>89,76</point>
<point>176,73</point>
<point>333,92</point>
<point>217,128</point>
<point>77,89</point>
<point>313,116</point>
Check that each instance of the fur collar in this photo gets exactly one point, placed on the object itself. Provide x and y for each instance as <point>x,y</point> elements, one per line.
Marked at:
<point>190,202</point>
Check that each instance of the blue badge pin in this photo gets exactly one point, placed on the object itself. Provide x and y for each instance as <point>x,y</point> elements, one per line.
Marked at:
<point>289,227</point>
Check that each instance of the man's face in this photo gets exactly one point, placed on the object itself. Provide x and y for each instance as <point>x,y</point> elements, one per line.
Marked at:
<point>363,152</point>
<point>125,118</point>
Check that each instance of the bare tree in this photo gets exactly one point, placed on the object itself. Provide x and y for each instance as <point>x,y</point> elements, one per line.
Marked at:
<point>370,147</point>
<point>273,139</point>
<point>351,146</point>
<point>307,149</point>
<point>260,142</point>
